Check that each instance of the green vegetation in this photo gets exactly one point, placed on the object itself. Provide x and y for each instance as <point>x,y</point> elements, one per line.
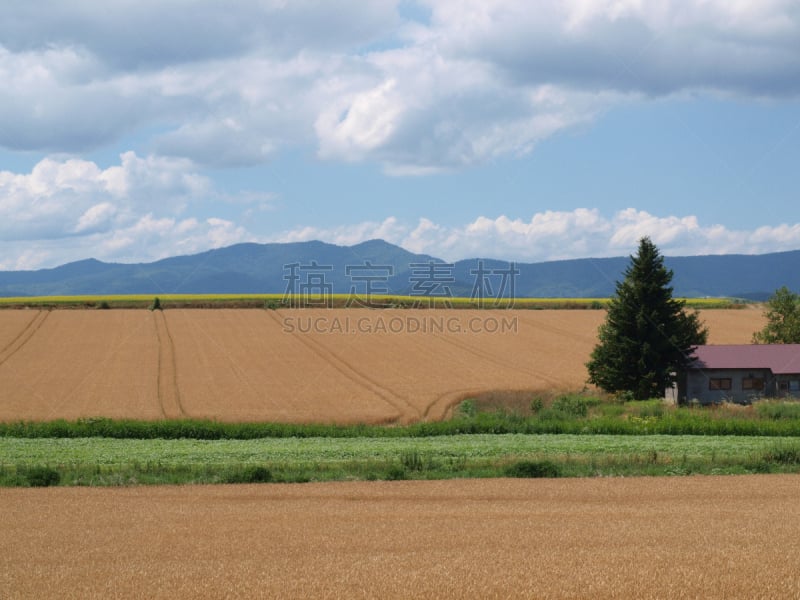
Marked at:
<point>533,468</point>
<point>275,301</point>
<point>38,476</point>
<point>647,337</point>
<point>783,319</point>
<point>494,435</point>
<point>492,414</point>
<point>778,410</point>
<point>103,461</point>
<point>257,474</point>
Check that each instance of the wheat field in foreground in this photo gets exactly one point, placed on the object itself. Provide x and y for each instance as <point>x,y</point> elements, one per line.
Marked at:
<point>336,365</point>
<point>687,537</point>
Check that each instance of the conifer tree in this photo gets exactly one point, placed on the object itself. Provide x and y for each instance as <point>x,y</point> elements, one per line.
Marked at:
<point>647,335</point>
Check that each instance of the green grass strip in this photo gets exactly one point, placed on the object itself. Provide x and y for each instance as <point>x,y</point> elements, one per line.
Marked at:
<point>105,451</point>
<point>103,461</point>
<point>683,421</point>
<point>335,300</point>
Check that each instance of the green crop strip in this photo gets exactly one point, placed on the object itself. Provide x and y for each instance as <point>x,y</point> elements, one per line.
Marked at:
<point>103,461</point>
<point>275,301</point>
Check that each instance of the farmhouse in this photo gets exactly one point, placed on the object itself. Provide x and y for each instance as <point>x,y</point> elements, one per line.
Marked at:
<point>741,373</point>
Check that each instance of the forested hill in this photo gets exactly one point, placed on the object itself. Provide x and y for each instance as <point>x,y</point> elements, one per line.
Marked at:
<point>267,268</point>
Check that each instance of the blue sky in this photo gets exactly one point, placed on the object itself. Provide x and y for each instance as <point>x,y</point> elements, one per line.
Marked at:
<point>515,130</point>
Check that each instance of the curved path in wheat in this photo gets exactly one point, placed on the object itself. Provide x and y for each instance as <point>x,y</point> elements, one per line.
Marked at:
<point>347,365</point>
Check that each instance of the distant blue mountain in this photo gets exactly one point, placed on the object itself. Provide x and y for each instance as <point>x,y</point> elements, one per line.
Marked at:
<point>385,268</point>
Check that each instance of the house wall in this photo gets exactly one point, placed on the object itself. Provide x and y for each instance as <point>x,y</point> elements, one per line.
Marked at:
<point>698,385</point>
<point>788,386</point>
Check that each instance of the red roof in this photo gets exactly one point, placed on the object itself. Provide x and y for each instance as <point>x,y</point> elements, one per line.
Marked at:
<point>781,359</point>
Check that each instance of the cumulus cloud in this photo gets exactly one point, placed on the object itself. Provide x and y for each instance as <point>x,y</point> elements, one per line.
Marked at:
<point>147,238</point>
<point>202,85</point>
<point>389,229</point>
<point>547,235</point>
<point>233,86</point>
<point>63,197</point>
<point>651,47</point>
<point>556,235</point>
<point>151,34</point>
<point>69,209</point>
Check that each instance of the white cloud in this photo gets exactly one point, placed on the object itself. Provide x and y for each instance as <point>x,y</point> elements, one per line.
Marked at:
<point>632,225</point>
<point>236,85</point>
<point>227,86</point>
<point>61,197</point>
<point>70,209</point>
<point>547,235</point>
<point>145,239</point>
<point>651,47</point>
<point>152,238</point>
<point>95,217</point>
<point>555,235</point>
<point>150,34</point>
<point>346,235</point>
<point>369,121</point>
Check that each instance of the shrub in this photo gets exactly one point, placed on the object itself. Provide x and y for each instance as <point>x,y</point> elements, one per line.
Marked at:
<point>534,469</point>
<point>412,460</point>
<point>551,414</point>
<point>783,455</point>
<point>156,305</point>
<point>612,410</point>
<point>574,406</point>
<point>624,397</point>
<point>778,410</point>
<point>42,477</point>
<point>250,475</point>
<point>650,408</point>
<point>396,474</point>
<point>467,408</point>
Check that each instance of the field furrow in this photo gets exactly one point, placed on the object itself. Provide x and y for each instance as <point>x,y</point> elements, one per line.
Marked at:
<point>350,370</point>
<point>169,395</point>
<point>84,363</point>
<point>240,365</point>
<point>22,338</point>
<point>309,365</point>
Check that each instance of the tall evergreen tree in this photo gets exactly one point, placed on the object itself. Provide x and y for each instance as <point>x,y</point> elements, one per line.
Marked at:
<point>647,335</point>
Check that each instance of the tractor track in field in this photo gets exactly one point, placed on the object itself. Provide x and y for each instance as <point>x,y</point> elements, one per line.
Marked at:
<point>235,368</point>
<point>169,395</point>
<point>488,356</point>
<point>559,331</point>
<point>445,401</point>
<point>24,336</point>
<point>403,407</point>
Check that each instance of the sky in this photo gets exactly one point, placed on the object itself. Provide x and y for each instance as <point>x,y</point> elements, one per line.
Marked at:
<point>526,130</point>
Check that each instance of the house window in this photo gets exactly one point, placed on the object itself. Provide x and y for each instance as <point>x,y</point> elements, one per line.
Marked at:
<point>794,385</point>
<point>752,383</point>
<point>719,383</point>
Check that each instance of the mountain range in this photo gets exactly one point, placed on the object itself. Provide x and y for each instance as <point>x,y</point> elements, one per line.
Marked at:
<point>386,268</point>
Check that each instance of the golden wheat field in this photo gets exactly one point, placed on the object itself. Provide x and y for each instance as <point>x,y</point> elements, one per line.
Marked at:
<point>687,537</point>
<point>340,365</point>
